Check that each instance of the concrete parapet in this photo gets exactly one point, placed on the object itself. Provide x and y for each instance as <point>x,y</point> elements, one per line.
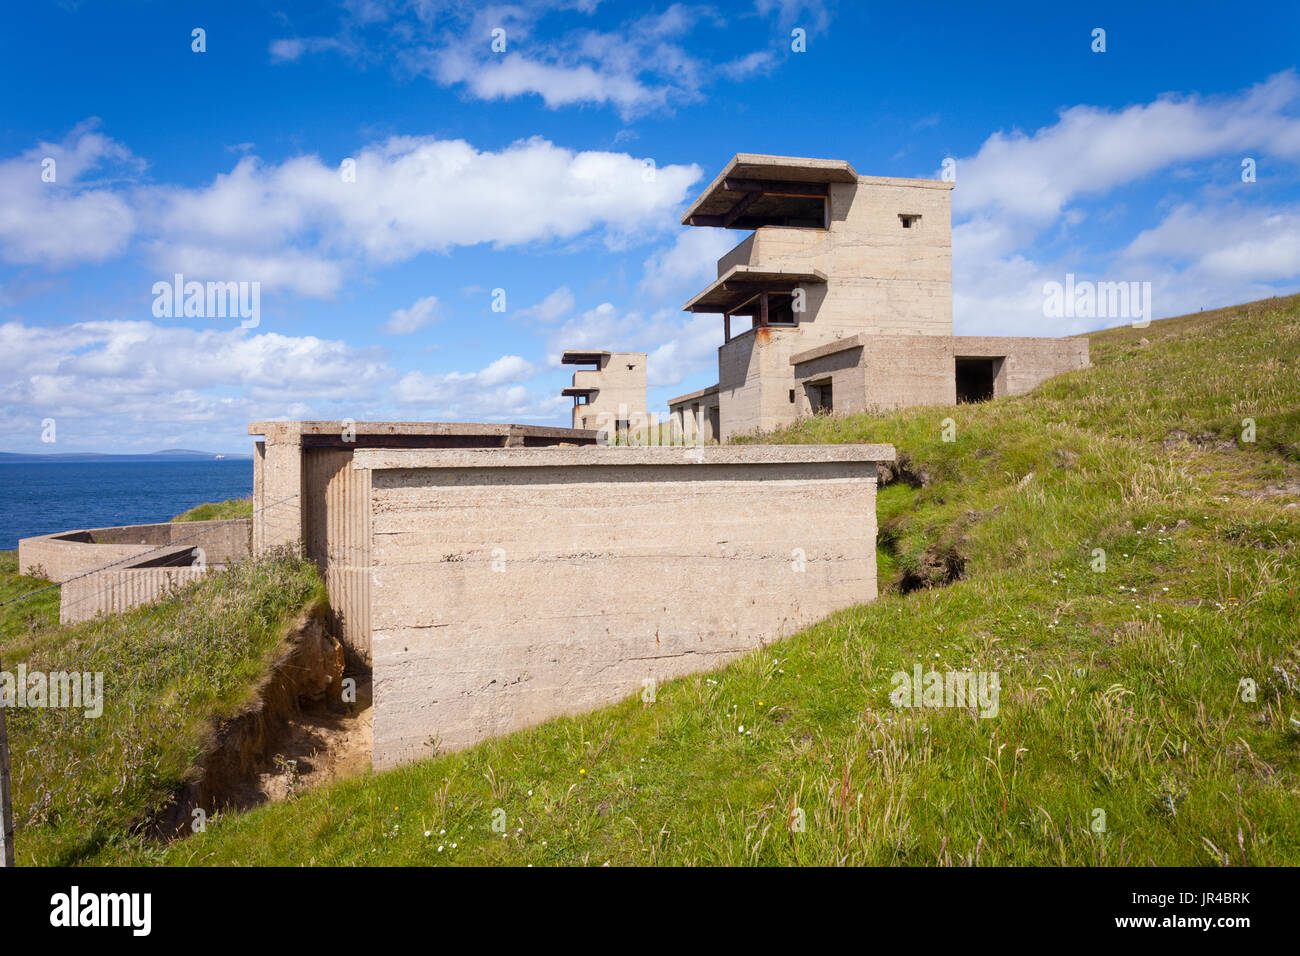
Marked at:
<point>512,586</point>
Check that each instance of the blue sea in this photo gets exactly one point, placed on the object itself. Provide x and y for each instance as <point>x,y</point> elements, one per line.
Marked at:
<point>58,496</point>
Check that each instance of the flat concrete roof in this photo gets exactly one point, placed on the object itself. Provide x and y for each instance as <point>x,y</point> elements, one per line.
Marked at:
<point>577,390</point>
<point>581,356</point>
<point>715,200</point>
<point>716,296</point>
<point>381,459</point>
<point>691,395</point>
<point>409,428</point>
<point>419,434</point>
<point>829,348</point>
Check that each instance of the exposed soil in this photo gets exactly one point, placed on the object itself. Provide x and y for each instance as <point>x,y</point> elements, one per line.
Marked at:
<point>903,469</point>
<point>319,747</point>
<point>938,566</point>
<point>297,734</point>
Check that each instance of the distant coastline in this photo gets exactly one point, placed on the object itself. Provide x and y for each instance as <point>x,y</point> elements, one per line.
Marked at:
<point>82,457</point>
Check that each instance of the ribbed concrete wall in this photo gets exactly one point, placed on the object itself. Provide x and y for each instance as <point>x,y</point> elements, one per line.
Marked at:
<point>337,538</point>
<point>512,586</point>
<point>110,592</point>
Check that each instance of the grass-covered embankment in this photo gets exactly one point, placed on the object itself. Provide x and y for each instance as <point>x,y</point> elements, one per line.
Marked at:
<point>170,671</point>
<point>218,510</point>
<point>1122,735</point>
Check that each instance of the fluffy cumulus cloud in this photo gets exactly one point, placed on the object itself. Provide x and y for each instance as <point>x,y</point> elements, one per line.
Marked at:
<point>555,306</point>
<point>60,205</point>
<point>142,386</point>
<point>688,264</point>
<point>305,226</point>
<point>126,384</point>
<point>403,197</point>
<point>493,393</point>
<point>554,50</point>
<point>1021,192</point>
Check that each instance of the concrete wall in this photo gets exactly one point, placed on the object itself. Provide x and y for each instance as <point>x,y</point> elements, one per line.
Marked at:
<point>68,554</point>
<point>1029,361</point>
<point>902,371</point>
<point>337,538</point>
<point>754,381</point>
<point>514,586</point>
<point>882,278</point>
<point>305,491</point>
<point>120,589</point>
<point>108,570</point>
<point>696,416</point>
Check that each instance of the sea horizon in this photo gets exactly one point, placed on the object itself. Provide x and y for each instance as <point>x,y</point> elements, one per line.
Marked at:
<point>46,497</point>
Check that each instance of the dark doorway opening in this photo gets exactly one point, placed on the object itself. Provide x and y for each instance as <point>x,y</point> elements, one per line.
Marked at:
<point>975,379</point>
<point>820,397</point>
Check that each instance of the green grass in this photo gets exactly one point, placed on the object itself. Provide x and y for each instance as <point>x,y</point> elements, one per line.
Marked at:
<point>218,510</point>
<point>1119,688</point>
<point>170,671</point>
<point>21,621</point>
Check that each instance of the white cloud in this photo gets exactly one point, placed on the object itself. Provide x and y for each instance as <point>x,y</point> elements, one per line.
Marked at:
<point>71,220</point>
<point>648,63</point>
<point>1089,150</point>
<point>422,313</point>
<point>1229,242</point>
<point>555,306</point>
<point>121,384</point>
<point>689,264</point>
<point>298,225</point>
<point>491,394</point>
<point>1207,252</point>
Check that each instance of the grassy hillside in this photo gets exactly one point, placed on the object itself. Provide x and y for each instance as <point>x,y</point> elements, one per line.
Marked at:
<point>169,669</point>
<point>218,510</point>
<point>1119,687</point>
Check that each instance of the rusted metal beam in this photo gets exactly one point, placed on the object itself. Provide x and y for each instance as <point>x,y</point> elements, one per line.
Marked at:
<point>740,207</point>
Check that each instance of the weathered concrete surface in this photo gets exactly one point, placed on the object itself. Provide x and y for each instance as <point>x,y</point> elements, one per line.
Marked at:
<point>517,585</point>
<point>877,276</point>
<point>881,372</point>
<point>304,490</point>
<point>109,570</point>
<point>696,416</point>
<point>119,589</point>
<point>66,554</point>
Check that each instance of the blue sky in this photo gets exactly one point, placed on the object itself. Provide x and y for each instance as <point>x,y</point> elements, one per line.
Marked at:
<point>556,170</point>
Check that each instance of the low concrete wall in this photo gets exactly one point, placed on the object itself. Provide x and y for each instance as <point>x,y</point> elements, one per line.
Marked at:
<point>304,490</point>
<point>883,372</point>
<point>108,570</point>
<point>67,554</point>
<point>512,586</point>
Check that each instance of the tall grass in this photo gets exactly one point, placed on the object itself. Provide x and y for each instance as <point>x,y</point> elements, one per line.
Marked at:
<point>170,670</point>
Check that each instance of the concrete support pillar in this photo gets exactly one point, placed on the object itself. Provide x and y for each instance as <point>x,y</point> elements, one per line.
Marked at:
<point>278,496</point>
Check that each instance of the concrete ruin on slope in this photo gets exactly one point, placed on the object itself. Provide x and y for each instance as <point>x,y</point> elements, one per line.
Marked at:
<point>491,588</point>
<point>845,291</point>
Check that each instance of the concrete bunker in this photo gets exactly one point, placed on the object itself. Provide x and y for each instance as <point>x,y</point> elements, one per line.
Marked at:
<point>305,490</point>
